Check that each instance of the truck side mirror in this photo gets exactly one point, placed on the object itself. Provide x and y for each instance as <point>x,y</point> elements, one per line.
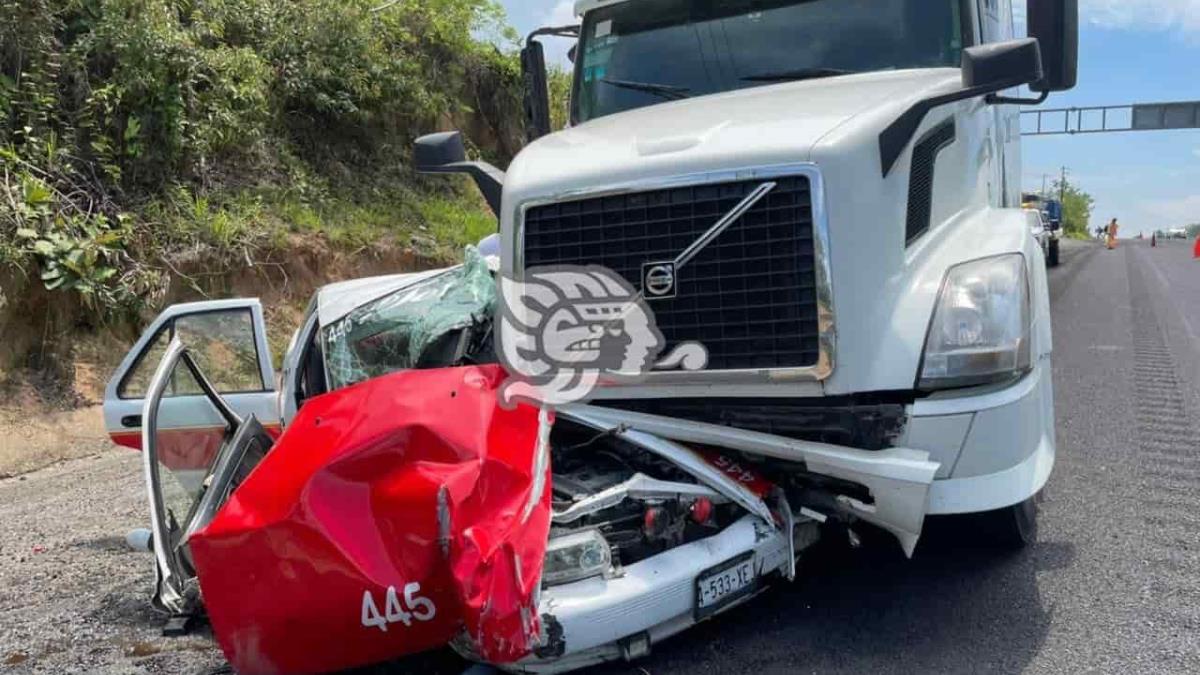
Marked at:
<point>445,153</point>
<point>434,152</point>
<point>537,90</point>
<point>1000,65</point>
<point>1055,24</point>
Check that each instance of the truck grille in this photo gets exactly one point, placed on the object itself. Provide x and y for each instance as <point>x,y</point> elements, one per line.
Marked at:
<point>750,297</point>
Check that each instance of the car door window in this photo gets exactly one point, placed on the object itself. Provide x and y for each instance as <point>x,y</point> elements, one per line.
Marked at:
<point>223,345</point>
<point>138,381</point>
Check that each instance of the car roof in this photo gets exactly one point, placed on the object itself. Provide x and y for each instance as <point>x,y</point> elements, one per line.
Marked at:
<point>337,300</point>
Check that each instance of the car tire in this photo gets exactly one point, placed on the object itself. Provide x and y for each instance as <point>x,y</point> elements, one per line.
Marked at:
<point>1052,256</point>
<point>1015,527</point>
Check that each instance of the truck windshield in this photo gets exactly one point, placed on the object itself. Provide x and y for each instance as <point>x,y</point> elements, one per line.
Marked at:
<point>643,52</point>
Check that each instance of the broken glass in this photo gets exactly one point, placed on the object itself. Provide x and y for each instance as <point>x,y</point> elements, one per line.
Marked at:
<point>438,322</point>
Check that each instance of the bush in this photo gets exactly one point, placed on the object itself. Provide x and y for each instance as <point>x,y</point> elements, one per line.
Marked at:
<point>136,134</point>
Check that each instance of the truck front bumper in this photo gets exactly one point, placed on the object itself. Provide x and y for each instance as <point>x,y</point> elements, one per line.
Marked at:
<point>995,449</point>
<point>961,452</point>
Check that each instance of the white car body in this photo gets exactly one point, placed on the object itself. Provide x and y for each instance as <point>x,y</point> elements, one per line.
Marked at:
<point>1037,226</point>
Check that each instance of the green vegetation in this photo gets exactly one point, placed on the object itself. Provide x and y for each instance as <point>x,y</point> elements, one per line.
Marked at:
<point>1077,209</point>
<point>147,146</point>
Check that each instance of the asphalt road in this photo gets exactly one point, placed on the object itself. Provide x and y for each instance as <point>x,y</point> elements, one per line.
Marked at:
<point>1113,586</point>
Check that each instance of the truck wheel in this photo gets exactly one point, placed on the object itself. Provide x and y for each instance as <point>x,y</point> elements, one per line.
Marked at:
<point>1015,527</point>
<point>1052,258</point>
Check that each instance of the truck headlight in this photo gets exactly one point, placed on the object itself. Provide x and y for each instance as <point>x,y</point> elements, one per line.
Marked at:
<point>576,556</point>
<point>981,325</point>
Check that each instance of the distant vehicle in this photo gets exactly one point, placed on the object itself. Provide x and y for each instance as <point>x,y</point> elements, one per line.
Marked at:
<point>1037,227</point>
<point>1051,217</point>
<point>1177,233</point>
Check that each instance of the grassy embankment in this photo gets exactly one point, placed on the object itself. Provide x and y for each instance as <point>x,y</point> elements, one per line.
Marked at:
<point>157,151</point>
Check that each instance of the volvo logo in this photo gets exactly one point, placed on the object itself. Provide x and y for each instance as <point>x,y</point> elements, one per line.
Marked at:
<point>659,280</point>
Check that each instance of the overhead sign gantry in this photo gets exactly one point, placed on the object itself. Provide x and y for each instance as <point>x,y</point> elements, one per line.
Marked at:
<point>1111,118</point>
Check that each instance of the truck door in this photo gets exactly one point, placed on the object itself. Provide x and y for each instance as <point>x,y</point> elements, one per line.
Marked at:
<point>228,341</point>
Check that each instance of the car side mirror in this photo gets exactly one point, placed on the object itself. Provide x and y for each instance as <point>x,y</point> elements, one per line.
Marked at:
<point>1055,25</point>
<point>445,153</point>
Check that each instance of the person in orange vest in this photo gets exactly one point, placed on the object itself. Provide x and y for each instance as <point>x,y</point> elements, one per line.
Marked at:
<point>1112,234</point>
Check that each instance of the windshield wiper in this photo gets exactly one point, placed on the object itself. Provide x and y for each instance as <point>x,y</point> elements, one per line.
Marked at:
<point>666,91</point>
<point>797,74</point>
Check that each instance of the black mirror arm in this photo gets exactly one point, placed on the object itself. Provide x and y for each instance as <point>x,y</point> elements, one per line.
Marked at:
<point>489,179</point>
<point>994,99</point>
<point>571,31</point>
<point>897,135</point>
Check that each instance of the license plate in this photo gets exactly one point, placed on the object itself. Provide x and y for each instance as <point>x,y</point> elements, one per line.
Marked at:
<point>724,584</point>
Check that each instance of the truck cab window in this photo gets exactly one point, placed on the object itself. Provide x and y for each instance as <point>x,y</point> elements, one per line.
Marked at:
<point>635,54</point>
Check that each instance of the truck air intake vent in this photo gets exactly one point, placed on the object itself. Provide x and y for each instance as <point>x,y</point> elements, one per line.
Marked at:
<point>750,296</point>
<point>920,184</point>
<point>870,423</point>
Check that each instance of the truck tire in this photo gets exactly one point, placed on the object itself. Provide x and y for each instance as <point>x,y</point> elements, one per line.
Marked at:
<point>1052,255</point>
<point>1015,527</point>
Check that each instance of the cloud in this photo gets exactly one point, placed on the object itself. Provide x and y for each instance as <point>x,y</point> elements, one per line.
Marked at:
<point>562,14</point>
<point>1146,15</point>
<point>1175,211</point>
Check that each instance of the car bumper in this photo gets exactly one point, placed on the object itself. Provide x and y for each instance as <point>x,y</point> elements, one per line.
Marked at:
<point>597,620</point>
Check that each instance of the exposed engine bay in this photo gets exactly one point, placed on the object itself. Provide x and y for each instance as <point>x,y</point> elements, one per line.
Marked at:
<point>641,503</point>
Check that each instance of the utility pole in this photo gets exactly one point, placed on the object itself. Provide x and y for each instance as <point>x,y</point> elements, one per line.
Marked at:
<point>1062,186</point>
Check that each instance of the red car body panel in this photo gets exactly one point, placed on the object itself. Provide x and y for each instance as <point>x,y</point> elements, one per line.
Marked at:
<point>414,478</point>
<point>192,448</point>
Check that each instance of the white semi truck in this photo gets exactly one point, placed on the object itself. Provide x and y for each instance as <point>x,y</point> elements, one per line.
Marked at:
<point>876,322</point>
<point>887,293</point>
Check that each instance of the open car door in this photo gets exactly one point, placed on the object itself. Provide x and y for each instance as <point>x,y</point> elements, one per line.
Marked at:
<point>175,511</point>
<point>227,340</point>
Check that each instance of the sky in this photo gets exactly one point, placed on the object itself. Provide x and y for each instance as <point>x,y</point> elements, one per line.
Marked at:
<point>1130,51</point>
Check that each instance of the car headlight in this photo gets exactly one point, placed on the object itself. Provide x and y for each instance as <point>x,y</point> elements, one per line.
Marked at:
<point>981,325</point>
<point>576,556</point>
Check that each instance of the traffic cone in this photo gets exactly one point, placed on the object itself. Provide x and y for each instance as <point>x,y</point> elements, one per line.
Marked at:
<point>1196,252</point>
<point>1154,240</point>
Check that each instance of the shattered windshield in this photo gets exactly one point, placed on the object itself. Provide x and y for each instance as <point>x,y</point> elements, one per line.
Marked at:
<point>439,322</point>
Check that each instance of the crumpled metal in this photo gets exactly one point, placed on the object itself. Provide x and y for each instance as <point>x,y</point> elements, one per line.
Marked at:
<point>413,478</point>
